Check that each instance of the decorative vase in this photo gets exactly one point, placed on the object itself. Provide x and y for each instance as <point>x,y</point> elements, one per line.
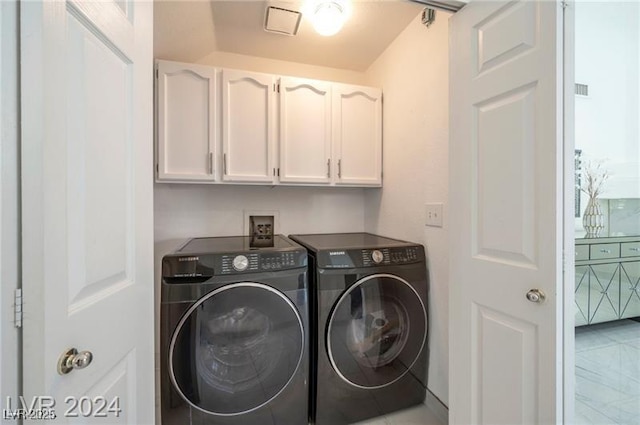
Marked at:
<point>593,218</point>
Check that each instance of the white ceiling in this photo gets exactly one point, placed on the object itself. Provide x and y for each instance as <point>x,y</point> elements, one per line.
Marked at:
<point>188,30</point>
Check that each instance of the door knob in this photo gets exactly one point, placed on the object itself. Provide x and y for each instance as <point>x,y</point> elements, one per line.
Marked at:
<point>536,296</point>
<point>72,359</point>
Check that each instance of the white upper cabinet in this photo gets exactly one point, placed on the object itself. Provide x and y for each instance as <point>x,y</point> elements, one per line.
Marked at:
<point>305,131</point>
<point>232,126</point>
<point>357,135</point>
<point>186,122</point>
<point>248,126</point>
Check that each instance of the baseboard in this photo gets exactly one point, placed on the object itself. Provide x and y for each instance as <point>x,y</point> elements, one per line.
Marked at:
<point>437,407</point>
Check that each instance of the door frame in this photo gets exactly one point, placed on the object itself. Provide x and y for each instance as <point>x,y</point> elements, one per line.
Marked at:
<point>568,137</point>
<point>10,334</point>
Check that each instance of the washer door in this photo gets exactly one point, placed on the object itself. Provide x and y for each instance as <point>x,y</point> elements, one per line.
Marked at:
<point>236,349</point>
<point>376,331</point>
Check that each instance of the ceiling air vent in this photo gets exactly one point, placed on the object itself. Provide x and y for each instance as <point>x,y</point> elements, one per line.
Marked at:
<point>282,21</point>
<point>582,89</point>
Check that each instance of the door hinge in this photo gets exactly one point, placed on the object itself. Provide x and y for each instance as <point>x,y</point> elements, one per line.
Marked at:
<point>18,308</point>
<point>156,73</point>
<point>157,169</point>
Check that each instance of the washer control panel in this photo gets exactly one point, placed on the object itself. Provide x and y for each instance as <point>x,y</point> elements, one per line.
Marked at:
<point>259,262</point>
<point>386,256</point>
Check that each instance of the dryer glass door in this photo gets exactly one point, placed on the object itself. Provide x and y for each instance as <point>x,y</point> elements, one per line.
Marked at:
<point>236,349</point>
<point>376,331</point>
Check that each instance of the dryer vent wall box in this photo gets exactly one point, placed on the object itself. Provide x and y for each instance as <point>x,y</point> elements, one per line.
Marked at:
<point>261,229</point>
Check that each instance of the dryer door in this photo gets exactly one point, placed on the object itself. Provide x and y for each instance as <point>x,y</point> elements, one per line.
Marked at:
<point>376,331</point>
<point>236,349</point>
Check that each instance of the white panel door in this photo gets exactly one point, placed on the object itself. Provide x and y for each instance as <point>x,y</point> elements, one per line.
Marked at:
<point>187,100</point>
<point>248,126</point>
<point>506,184</point>
<point>305,131</point>
<point>87,207</point>
<point>357,135</point>
<point>9,199</point>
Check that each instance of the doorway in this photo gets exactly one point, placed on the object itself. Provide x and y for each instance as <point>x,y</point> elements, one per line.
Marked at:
<point>607,212</point>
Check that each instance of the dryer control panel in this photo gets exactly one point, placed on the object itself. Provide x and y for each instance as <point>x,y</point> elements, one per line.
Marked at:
<point>386,256</point>
<point>199,268</point>
<point>357,258</point>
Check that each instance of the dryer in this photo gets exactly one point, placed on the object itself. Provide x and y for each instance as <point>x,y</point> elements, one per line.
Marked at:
<point>234,333</point>
<point>369,321</point>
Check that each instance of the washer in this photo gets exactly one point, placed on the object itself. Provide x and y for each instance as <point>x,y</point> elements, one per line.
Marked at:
<point>369,314</point>
<point>234,333</point>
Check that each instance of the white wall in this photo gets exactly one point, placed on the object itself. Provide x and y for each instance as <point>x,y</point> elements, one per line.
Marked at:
<point>183,211</point>
<point>413,74</point>
<point>607,59</point>
<point>273,66</point>
<point>9,207</point>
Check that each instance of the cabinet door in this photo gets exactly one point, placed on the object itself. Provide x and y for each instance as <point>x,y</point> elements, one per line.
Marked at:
<point>248,126</point>
<point>357,116</point>
<point>305,131</point>
<point>186,122</point>
<point>604,292</point>
<point>582,295</point>
<point>630,289</point>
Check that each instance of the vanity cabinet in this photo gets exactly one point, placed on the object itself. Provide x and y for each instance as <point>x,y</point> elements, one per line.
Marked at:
<point>607,279</point>
<point>186,122</point>
<point>233,126</point>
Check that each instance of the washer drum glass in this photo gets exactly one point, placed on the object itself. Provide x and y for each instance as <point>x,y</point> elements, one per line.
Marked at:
<point>236,349</point>
<point>376,331</point>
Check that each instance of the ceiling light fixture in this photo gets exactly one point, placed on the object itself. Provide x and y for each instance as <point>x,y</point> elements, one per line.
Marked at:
<point>328,16</point>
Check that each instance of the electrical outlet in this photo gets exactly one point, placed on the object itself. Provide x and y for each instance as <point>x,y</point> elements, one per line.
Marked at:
<point>433,214</point>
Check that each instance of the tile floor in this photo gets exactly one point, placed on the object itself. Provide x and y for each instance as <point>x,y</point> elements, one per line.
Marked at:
<point>608,373</point>
<point>419,415</point>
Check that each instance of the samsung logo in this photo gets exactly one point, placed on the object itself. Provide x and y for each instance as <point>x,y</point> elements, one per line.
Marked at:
<point>188,258</point>
<point>337,253</point>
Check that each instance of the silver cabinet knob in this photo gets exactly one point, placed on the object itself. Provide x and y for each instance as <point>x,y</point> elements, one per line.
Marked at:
<point>72,359</point>
<point>536,296</point>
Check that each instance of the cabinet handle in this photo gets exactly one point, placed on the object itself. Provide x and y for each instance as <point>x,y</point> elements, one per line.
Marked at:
<point>634,249</point>
<point>339,168</point>
<point>605,251</point>
<point>224,163</point>
<point>329,168</point>
<point>210,162</point>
